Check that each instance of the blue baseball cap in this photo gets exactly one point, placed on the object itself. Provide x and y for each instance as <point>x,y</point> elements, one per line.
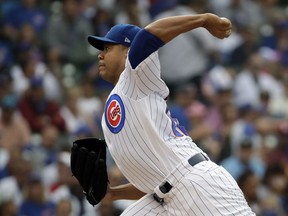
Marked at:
<point>118,34</point>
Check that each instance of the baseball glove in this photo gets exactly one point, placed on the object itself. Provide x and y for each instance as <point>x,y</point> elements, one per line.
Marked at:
<point>88,165</point>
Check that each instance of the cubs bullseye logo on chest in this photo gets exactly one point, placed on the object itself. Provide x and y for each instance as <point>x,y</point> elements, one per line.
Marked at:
<point>114,113</point>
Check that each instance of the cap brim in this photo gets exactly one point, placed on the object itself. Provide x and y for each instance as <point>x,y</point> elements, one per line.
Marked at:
<point>98,42</point>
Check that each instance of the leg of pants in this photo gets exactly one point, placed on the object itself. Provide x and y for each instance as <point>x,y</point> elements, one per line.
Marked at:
<point>145,206</point>
<point>205,189</point>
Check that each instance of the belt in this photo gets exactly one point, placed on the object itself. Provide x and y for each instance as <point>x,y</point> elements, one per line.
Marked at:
<point>165,187</point>
<point>197,158</point>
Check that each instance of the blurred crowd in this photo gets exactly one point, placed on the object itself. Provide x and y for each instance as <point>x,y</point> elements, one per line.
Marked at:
<point>231,95</point>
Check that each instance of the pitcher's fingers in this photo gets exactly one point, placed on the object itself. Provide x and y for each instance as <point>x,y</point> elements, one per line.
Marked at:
<point>225,23</point>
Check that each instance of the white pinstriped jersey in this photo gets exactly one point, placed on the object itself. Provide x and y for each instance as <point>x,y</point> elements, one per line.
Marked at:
<point>145,142</point>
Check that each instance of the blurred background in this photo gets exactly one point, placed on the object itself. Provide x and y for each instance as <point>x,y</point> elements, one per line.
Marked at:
<point>231,95</point>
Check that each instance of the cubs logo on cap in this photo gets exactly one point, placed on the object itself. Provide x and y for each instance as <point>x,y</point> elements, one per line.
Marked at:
<point>114,113</point>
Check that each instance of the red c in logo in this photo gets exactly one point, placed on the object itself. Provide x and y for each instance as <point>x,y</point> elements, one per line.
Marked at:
<point>114,113</point>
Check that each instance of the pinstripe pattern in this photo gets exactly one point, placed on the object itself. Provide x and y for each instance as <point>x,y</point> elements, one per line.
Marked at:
<point>146,123</point>
<point>149,146</point>
<point>203,190</point>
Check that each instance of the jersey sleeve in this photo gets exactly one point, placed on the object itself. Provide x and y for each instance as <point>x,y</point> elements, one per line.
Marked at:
<point>142,46</point>
<point>143,67</point>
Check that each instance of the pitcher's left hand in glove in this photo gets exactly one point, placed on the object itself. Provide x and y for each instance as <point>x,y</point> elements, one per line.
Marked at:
<point>88,165</point>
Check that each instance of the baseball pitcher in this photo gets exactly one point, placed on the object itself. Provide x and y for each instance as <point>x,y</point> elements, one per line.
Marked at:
<point>168,173</point>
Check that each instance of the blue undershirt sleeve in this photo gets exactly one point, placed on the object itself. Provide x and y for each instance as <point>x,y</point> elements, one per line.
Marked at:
<point>142,46</point>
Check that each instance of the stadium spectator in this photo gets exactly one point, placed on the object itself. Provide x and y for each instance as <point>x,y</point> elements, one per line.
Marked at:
<point>199,44</point>
<point>38,110</point>
<point>66,30</point>
<point>35,201</point>
<point>11,187</point>
<point>249,183</point>
<point>45,151</point>
<point>244,161</point>
<point>27,11</point>
<point>272,191</point>
<point>254,79</point>
<point>64,208</point>
<point>14,129</point>
<point>183,97</point>
<point>70,110</point>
